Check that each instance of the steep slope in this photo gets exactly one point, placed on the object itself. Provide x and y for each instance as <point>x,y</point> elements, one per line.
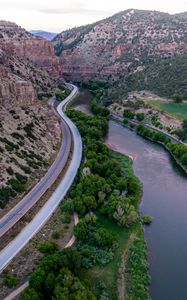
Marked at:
<point>44,34</point>
<point>28,65</point>
<point>164,78</point>
<point>120,45</point>
<point>29,131</point>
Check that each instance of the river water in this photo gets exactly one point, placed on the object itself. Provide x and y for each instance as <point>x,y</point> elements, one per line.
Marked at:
<point>165,199</point>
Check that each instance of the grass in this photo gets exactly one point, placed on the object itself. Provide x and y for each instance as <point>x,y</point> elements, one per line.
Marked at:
<point>176,110</point>
<point>108,274</point>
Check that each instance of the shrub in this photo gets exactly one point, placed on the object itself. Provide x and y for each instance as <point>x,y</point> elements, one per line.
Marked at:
<point>47,248</point>
<point>147,219</point>
<point>128,114</point>
<point>9,280</point>
<point>17,185</point>
<point>125,121</point>
<point>21,178</point>
<point>55,235</point>
<point>140,116</point>
<point>10,171</point>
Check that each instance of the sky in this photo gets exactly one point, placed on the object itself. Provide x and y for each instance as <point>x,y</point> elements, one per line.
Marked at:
<point>58,15</point>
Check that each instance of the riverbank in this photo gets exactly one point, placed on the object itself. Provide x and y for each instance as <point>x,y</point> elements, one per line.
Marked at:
<point>151,131</point>
<point>164,198</point>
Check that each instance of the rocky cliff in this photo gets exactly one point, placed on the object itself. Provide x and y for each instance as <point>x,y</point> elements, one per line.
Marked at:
<point>120,45</point>
<point>23,44</point>
<point>29,67</point>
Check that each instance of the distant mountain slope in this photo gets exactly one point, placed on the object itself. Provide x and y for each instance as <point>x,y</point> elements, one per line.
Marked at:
<point>164,78</point>
<point>182,15</point>
<point>117,47</point>
<point>44,34</point>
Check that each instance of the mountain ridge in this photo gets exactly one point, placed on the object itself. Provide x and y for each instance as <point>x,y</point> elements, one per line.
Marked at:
<point>121,45</point>
<point>44,34</point>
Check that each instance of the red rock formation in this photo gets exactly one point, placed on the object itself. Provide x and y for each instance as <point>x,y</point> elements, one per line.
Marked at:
<point>40,52</point>
<point>29,66</point>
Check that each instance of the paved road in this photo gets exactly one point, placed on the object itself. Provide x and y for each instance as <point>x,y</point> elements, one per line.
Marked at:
<point>12,249</point>
<point>16,213</point>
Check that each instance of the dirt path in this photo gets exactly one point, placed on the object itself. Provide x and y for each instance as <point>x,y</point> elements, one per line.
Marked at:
<point>19,290</point>
<point>121,286</point>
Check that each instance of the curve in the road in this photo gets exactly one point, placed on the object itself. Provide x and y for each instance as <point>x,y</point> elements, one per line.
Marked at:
<point>12,249</point>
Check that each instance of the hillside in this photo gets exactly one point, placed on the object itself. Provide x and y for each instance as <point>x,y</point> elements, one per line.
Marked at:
<point>117,47</point>
<point>182,15</point>
<point>29,131</point>
<point>164,78</point>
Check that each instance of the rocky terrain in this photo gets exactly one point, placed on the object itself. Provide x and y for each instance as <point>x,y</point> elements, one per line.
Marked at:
<point>122,45</point>
<point>29,130</point>
<point>28,140</point>
<point>28,65</point>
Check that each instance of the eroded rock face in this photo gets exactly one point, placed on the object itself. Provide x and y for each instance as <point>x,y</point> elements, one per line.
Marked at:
<point>28,66</point>
<point>121,44</point>
<point>23,44</point>
<point>23,90</point>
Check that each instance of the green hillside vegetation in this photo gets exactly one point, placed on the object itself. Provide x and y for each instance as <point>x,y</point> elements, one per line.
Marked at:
<point>164,78</point>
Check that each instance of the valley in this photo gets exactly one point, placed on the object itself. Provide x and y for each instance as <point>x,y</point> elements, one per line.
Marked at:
<point>92,206</point>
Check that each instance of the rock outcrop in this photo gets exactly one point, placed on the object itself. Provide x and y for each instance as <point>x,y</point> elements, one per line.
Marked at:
<point>23,44</point>
<point>29,67</point>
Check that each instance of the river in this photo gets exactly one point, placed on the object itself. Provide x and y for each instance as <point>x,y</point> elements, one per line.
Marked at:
<point>165,199</point>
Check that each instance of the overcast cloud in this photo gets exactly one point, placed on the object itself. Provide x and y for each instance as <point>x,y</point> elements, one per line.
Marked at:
<point>57,15</point>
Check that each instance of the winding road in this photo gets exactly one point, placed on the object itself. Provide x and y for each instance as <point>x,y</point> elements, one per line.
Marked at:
<point>13,248</point>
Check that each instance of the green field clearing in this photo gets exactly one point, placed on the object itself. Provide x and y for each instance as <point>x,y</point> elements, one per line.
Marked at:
<point>178,111</point>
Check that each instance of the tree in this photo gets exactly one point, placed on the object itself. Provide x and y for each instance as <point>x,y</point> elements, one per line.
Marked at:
<point>90,202</point>
<point>177,98</point>
<point>80,230</point>
<point>30,294</point>
<point>128,114</point>
<point>140,116</point>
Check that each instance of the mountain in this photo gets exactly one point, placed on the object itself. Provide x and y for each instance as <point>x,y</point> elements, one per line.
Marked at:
<point>120,46</point>
<point>44,34</point>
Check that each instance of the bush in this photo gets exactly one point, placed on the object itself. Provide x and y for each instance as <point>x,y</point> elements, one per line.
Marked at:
<point>125,121</point>
<point>128,114</point>
<point>55,235</point>
<point>147,220</point>
<point>21,178</point>
<point>140,116</point>
<point>177,98</point>
<point>9,280</point>
<point>17,185</point>
<point>48,248</point>
<point>5,194</point>
<point>10,171</point>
